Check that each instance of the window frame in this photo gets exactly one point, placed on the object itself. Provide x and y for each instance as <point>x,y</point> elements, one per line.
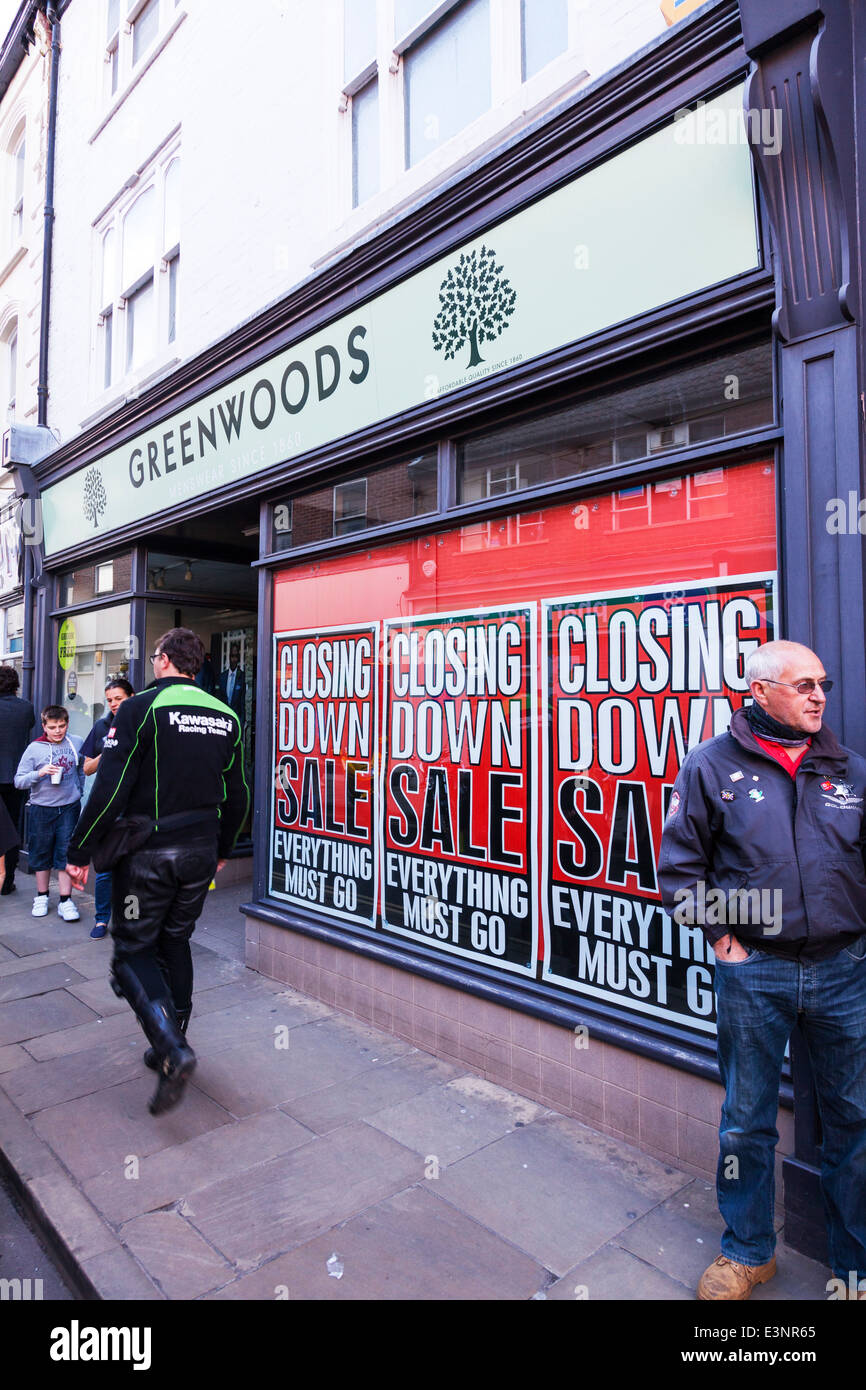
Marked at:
<point>114,303</point>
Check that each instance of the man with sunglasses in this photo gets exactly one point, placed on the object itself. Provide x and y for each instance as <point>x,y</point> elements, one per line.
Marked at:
<point>173,758</point>
<point>776,805</point>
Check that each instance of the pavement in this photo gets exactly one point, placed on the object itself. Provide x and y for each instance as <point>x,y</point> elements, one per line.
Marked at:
<point>313,1157</point>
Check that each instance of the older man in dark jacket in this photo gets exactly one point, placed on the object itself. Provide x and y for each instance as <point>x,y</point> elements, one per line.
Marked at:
<point>17,720</point>
<point>765,833</point>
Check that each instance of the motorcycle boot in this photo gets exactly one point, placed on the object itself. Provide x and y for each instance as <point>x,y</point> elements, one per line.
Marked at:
<point>176,1059</point>
<point>183,1016</point>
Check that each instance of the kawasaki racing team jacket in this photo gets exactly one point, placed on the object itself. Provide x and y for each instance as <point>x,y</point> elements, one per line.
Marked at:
<point>739,822</point>
<point>171,749</point>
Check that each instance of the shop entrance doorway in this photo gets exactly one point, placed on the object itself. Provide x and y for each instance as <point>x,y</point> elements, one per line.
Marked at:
<point>199,576</point>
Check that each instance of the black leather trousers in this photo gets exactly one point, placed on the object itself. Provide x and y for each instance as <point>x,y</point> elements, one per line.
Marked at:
<point>157,895</point>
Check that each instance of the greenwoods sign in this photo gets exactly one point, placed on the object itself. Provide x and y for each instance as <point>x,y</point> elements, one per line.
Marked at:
<point>659,221</point>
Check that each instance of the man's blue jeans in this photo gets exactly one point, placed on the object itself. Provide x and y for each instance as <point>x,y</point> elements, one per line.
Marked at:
<point>102,896</point>
<point>758,1002</point>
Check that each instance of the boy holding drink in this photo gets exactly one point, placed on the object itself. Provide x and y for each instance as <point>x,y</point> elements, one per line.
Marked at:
<point>49,770</point>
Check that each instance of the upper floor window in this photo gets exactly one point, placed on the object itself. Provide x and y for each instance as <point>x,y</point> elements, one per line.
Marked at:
<point>132,27</point>
<point>543,33</point>
<point>18,155</point>
<point>361,87</point>
<point>9,369</point>
<point>446,73</point>
<point>138,273</point>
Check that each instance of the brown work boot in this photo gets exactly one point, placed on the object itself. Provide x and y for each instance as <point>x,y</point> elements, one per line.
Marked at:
<point>725,1278</point>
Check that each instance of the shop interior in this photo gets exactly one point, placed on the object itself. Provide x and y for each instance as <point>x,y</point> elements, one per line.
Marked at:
<point>196,574</point>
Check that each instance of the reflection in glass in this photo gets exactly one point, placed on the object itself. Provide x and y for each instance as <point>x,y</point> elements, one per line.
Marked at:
<point>393,493</point>
<point>707,401</point>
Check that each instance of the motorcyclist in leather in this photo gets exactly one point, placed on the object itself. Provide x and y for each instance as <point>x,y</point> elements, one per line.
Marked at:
<point>175,755</point>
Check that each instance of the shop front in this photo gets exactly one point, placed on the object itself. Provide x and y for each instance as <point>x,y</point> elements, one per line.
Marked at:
<point>483,533</point>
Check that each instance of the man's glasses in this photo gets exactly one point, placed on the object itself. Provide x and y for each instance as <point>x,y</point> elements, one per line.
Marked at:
<point>802,687</point>
<point>154,656</point>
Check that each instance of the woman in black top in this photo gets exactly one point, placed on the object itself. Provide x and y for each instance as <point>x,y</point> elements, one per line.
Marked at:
<point>116,692</point>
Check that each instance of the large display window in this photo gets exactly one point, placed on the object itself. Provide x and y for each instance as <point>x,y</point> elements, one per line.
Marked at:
<point>477,730</point>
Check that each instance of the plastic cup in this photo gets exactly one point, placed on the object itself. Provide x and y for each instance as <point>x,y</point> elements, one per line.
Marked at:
<point>56,778</point>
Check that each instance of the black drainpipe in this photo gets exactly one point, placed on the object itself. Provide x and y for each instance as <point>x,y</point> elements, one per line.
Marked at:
<point>33,581</point>
<point>48,235</point>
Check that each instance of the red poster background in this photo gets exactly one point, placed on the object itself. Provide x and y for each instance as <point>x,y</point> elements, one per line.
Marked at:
<point>703,525</point>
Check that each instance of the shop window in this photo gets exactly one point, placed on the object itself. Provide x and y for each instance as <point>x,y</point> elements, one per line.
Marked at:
<point>350,507</point>
<point>138,275</point>
<point>474,752</point>
<point>91,647</point>
<point>446,77</point>
<point>90,581</point>
<point>543,33</point>
<point>709,400</point>
<point>393,493</point>
<point>194,574</point>
<point>105,577</point>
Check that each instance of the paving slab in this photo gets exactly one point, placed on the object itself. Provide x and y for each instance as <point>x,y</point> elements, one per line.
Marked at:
<point>49,933</point>
<point>45,1013</point>
<point>126,1129</point>
<point>93,959</point>
<point>175,1256</point>
<point>261,1074</point>
<point>256,1019</point>
<point>797,1279</point>
<point>76,1222</point>
<point>116,1274</point>
<point>12,1056</point>
<point>102,1032</point>
<point>410,1247</point>
<point>451,1121</point>
<point>98,995</point>
<point>38,980</point>
<point>296,1197</point>
<point>614,1273</point>
<point>244,987</point>
<point>178,1171</point>
<point>681,1235</point>
<point>557,1189</point>
<point>382,1085</point>
<point>22,1148</point>
<point>78,1074</point>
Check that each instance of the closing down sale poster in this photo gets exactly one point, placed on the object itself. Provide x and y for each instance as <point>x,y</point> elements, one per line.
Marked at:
<point>458,784</point>
<point>631,683</point>
<point>326,737</point>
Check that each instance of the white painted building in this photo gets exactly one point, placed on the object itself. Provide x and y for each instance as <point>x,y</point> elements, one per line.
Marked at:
<point>211,156</point>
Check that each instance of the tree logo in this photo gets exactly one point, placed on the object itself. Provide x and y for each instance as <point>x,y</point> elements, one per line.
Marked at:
<point>476,301</point>
<point>94,501</point>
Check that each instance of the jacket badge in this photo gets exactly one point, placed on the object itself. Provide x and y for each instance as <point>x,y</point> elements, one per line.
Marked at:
<point>727,796</point>
<point>735,776</point>
<point>756,795</point>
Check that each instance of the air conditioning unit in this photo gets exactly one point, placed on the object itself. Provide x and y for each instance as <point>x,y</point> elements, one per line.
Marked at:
<point>27,444</point>
<point>668,437</point>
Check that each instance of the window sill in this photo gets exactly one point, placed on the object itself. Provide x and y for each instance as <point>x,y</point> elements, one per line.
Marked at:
<point>137,76</point>
<point>17,255</point>
<point>129,389</point>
